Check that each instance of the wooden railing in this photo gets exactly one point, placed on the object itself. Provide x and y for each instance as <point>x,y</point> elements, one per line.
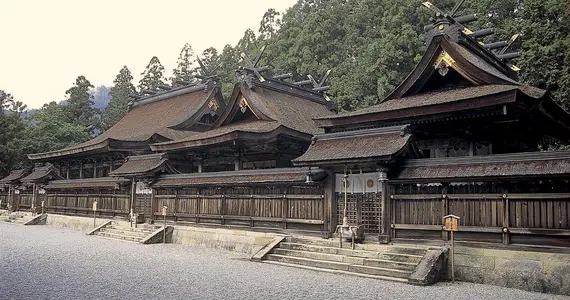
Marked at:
<point>302,211</point>
<point>517,218</point>
<point>81,203</point>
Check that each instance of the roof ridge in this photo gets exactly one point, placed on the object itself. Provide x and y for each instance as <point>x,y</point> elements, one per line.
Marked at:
<point>400,129</point>
<point>486,159</point>
<point>169,94</point>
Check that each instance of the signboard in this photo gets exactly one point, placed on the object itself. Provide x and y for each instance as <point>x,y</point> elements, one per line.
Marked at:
<point>164,210</point>
<point>94,205</point>
<point>451,223</point>
<point>358,183</point>
<point>143,188</point>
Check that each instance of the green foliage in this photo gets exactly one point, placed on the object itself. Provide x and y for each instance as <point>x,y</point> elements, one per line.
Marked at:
<point>11,133</point>
<point>79,108</point>
<point>545,60</point>
<point>49,129</point>
<point>185,65</point>
<point>118,105</point>
<point>153,76</point>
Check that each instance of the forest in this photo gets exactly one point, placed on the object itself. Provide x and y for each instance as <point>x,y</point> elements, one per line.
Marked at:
<point>369,46</point>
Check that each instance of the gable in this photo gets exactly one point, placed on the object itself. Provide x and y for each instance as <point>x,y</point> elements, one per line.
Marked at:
<point>448,64</point>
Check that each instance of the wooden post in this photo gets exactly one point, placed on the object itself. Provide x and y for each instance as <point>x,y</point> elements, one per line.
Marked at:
<point>384,236</point>
<point>131,206</point>
<point>80,169</point>
<point>331,201</point>
<point>445,207</point>
<point>506,220</point>
<point>94,168</point>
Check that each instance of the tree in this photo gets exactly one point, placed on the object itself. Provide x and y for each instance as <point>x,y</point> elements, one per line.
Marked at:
<point>545,60</point>
<point>6,101</point>
<point>79,108</point>
<point>270,24</point>
<point>118,105</point>
<point>185,68</point>
<point>11,129</point>
<point>49,129</point>
<point>153,76</point>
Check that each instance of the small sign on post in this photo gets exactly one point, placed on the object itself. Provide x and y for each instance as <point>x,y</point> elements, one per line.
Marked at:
<point>43,205</point>
<point>451,224</point>
<point>164,229</point>
<point>94,213</point>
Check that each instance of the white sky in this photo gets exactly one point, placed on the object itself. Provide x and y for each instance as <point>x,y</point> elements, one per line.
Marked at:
<point>45,45</point>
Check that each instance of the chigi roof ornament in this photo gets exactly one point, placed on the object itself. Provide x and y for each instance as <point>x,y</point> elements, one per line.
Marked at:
<point>454,26</point>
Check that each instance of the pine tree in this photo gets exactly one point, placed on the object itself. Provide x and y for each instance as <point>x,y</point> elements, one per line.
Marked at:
<point>153,76</point>
<point>185,68</point>
<point>79,108</point>
<point>118,105</point>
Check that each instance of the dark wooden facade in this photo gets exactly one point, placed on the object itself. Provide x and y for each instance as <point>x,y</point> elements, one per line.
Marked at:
<point>459,136</point>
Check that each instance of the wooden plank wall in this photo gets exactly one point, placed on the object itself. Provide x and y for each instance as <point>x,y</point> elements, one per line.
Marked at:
<point>300,207</point>
<point>523,213</point>
<point>4,198</point>
<point>80,202</point>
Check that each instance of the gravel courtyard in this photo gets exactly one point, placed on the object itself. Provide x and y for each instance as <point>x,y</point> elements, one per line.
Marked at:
<point>39,262</point>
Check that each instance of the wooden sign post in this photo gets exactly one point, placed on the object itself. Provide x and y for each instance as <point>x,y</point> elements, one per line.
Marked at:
<point>451,224</point>
<point>94,214</point>
<point>164,229</point>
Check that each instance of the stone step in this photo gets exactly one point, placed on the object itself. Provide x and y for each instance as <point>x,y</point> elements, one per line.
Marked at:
<point>127,229</point>
<point>119,236</point>
<point>339,266</point>
<point>354,253</point>
<point>146,229</point>
<point>421,251</point>
<point>404,280</point>
<point>122,232</point>
<point>347,259</point>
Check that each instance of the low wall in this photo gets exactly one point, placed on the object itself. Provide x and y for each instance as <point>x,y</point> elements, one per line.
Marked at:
<point>544,272</point>
<point>230,239</point>
<point>77,223</point>
<point>238,240</point>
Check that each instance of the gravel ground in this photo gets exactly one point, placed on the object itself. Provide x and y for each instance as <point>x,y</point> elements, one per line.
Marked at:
<point>39,262</point>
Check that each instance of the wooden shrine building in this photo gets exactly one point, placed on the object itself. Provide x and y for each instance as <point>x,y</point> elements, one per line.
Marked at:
<point>460,135</point>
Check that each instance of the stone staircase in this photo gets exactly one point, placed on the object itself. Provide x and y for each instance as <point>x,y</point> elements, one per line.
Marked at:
<point>395,263</point>
<point>119,231</point>
<point>15,217</point>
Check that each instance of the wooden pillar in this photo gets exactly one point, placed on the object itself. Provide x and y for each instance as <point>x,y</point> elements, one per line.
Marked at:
<point>238,161</point>
<point>67,168</point>
<point>200,162</point>
<point>330,203</point>
<point>94,168</point>
<point>80,169</point>
<point>384,236</point>
<point>445,208</point>
<point>506,221</point>
<point>132,204</point>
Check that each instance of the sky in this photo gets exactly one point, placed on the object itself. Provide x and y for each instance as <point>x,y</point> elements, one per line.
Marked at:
<point>45,45</point>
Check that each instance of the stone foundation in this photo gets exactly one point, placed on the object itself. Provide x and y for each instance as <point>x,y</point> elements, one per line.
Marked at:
<point>239,240</point>
<point>544,272</point>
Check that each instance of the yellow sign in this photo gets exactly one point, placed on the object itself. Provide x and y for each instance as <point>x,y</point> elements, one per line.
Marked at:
<point>451,223</point>
<point>94,205</point>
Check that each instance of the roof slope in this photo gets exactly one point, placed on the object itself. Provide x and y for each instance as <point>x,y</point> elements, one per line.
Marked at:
<point>407,106</point>
<point>149,118</point>
<point>360,145</point>
<point>275,107</point>
<point>40,174</point>
<point>489,167</point>
<point>266,176</point>
<point>14,176</point>
<point>142,165</point>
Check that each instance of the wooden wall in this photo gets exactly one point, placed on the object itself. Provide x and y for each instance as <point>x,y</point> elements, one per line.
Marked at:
<point>294,206</point>
<point>110,202</point>
<point>524,212</point>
